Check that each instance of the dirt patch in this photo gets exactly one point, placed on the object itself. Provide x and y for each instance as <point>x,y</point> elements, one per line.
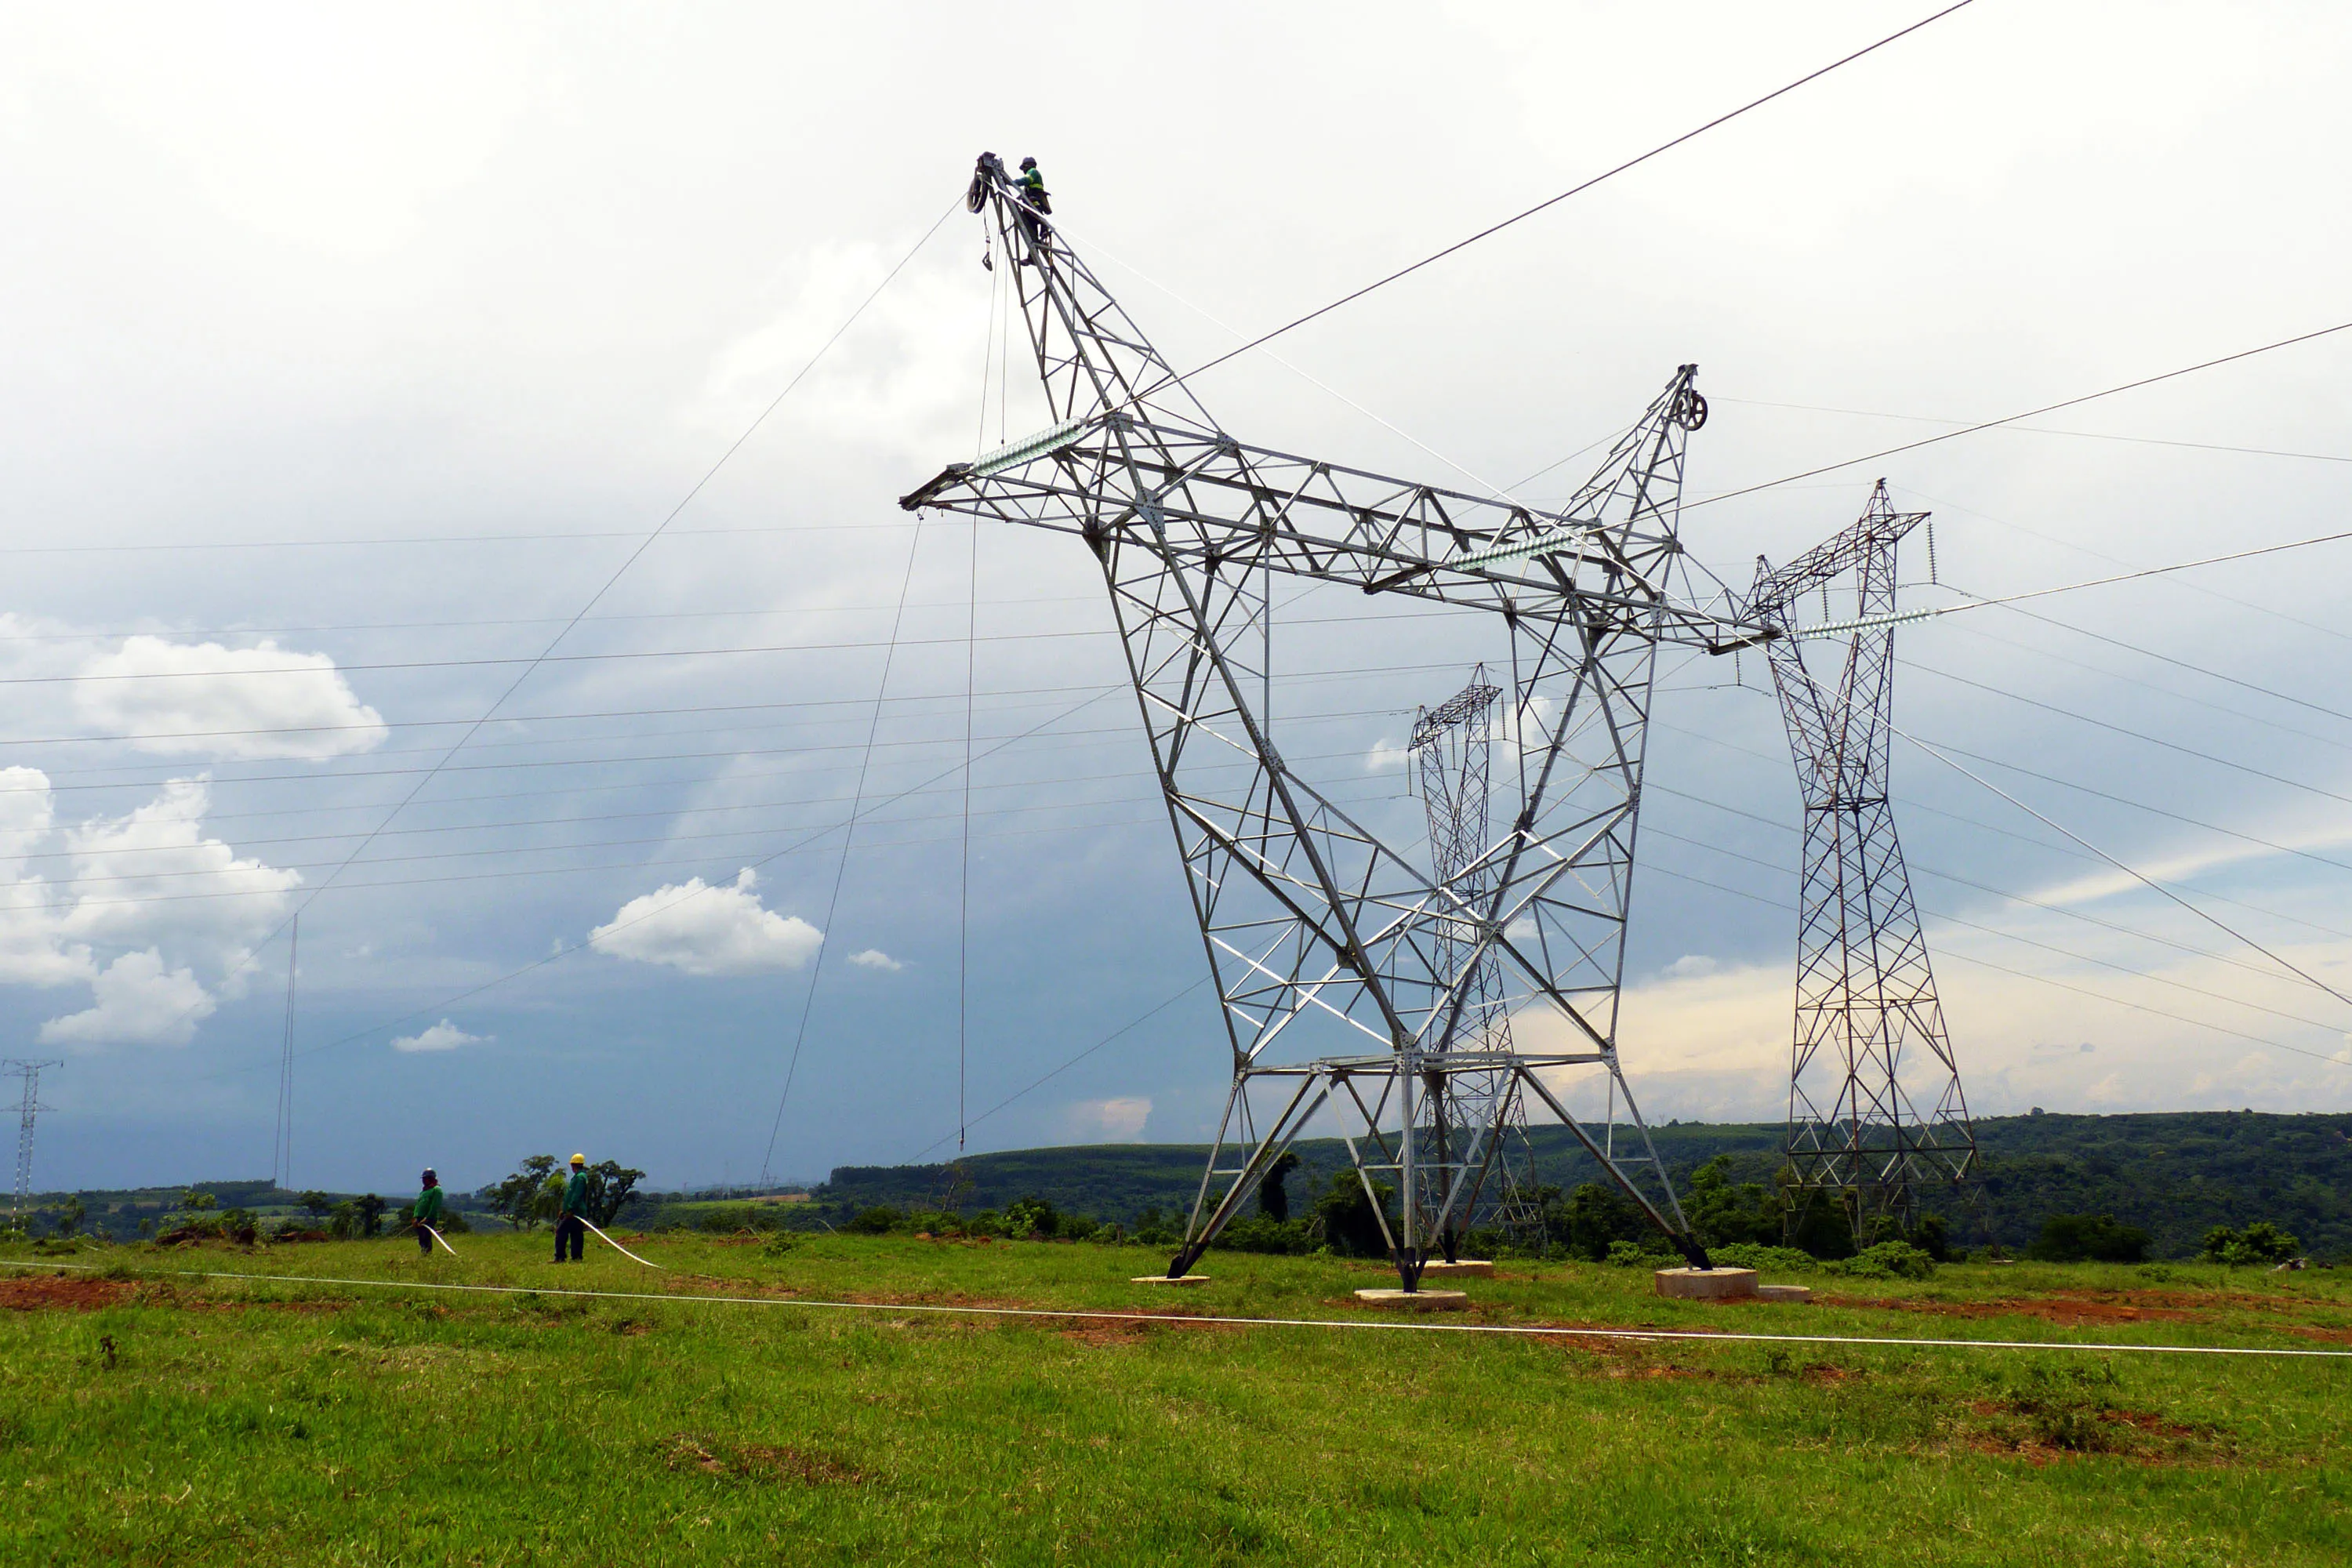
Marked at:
<point>2064,1311</point>
<point>756,1461</point>
<point>19,1294</point>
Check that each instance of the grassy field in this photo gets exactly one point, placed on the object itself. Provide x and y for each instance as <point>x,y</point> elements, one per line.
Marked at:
<point>154,1417</point>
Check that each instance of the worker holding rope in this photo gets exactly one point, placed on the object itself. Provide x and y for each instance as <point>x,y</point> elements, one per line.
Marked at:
<point>425,1215</point>
<point>572,1221</point>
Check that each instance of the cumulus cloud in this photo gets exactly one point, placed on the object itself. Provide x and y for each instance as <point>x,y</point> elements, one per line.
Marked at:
<point>1690,966</point>
<point>443,1035</point>
<point>181,700</point>
<point>1119,1119</point>
<point>109,923</point>
<point>1386,756</point>
<point>874,957</point>
<point>140,1001</point>
<point>708,929</point>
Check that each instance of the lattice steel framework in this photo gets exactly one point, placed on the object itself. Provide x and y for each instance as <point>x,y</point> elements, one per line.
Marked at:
<point>1320,934</point>
<point>1870,1048</point>
<point>31,1073</point>
<point>1452,752</point>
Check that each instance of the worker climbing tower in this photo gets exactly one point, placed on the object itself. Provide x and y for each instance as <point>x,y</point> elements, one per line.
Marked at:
<point>1875,1110</point>
<point>1343,965</point>
<point>1453,750</point>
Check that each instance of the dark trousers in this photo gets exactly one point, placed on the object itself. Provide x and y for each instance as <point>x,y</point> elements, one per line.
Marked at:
<point>574,1229</point>
<point>424,1239</point>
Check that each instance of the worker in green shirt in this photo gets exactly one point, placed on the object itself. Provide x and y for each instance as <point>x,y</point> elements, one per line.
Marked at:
<point>572,1223</point>
<point>425,1215</point>
<point>1032,187</point>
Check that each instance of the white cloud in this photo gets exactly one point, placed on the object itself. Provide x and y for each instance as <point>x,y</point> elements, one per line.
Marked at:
<point>140,1001</point>
<point>443,1035</point>
<point>705,929</point>
<point>1690,966</point>
<point>187,702</point>
<point>123,894</point>
<point>1386,756</point>
<point>1118,1121</point>
<point>874,957</point>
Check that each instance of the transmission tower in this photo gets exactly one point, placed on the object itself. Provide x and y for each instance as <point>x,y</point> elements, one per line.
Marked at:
<point>1338,974</point>
<point>1453,751</point>
<point>31,1073</point>
<point>1870,1048</point>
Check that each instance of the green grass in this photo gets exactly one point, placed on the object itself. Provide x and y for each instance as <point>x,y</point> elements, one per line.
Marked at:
<point>244,1421</point>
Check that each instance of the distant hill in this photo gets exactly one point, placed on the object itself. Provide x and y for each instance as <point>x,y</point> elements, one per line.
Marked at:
<point>2176,1175</point>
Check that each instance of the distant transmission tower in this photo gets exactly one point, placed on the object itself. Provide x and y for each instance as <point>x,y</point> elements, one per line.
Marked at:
<point>1875,1110</point>
<point>31,1073</point>
<point>1452,749</point>
<point>1341,963</point>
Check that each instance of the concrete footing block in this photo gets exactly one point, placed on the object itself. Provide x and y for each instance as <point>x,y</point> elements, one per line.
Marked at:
<point>1163,1280</point>
<point>1784,1293</point>
<point>1460,1269</point>
<point>1707,1284</point>
<point>1415,1300</point>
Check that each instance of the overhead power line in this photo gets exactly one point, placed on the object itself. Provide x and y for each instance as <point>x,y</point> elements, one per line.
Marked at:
<point>1577,189</point>
<point>2027,413</point>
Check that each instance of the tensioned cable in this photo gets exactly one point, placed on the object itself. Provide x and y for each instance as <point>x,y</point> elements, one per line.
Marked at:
<point>1493,229</point>
<point>2190,584</point>
<point>1930,612</point>
<point>1945,918</point>
<point>848,842</point>
<point>2028,413</point>
<point>646,544</point>
<point>1130,1026</point>
<point>2045,430</point>
<point>2025,974</point>
<point>2132,872</point>
<point>963,849</point>
<point>2179,663</point>
<point>1192,1320</point>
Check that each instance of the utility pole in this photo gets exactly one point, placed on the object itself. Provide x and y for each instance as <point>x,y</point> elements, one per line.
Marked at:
<point>1875,1103</point>
<point>1324,939</point>
<point>30,1071</point>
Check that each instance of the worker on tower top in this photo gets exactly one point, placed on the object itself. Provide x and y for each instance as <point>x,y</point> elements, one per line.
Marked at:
<point>1032,186</point>
<point>572,1223</point>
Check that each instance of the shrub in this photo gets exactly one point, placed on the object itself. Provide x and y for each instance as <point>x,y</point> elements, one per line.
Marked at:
<point>879,1220</point>
<point>2261,1242</point>
<point>2074,1238</point>
<point>1349,1224</point>
<point>1887,1260</point>
<point>1627,1255</point>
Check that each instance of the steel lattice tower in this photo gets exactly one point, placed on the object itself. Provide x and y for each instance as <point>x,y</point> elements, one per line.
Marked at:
<point>1336,959</point>
<point>1453,750</point>
<point>1875,1103</point>
<point>31,1073</point>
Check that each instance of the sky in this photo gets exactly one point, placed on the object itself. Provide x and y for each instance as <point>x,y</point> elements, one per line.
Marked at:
<point>351,359</point>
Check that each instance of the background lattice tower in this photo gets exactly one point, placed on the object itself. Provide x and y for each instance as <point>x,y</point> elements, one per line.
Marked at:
<point>1453,753</point>
<point>31,1074</point>
<point>1875,1110</point>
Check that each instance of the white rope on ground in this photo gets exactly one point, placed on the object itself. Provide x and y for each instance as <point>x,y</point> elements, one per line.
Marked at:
<point>615,1246</point>
<point>1179,1319</point>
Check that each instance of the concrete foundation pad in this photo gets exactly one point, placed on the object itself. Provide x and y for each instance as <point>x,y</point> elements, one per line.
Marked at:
<point>1163,1280</point>
<point>1460,1269</point>
<point>1415,1300</point>
<point>1707,1284</point>
<point>1784,1293</point>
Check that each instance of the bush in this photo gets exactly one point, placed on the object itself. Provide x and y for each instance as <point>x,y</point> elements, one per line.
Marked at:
<point>1349,1224</point>
<point>2075,1238</point>
<point>1887,1260</point>
<point>1627,1255</point>
<point>879,1220</point>
<point>2261,1242</point>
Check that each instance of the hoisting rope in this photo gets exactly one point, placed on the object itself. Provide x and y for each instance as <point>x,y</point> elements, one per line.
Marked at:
<point>615,1246</point>
<point>437,1237</point>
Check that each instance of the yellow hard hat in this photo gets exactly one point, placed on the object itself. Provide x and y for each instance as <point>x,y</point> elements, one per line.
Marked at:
<point>579,1159</point>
